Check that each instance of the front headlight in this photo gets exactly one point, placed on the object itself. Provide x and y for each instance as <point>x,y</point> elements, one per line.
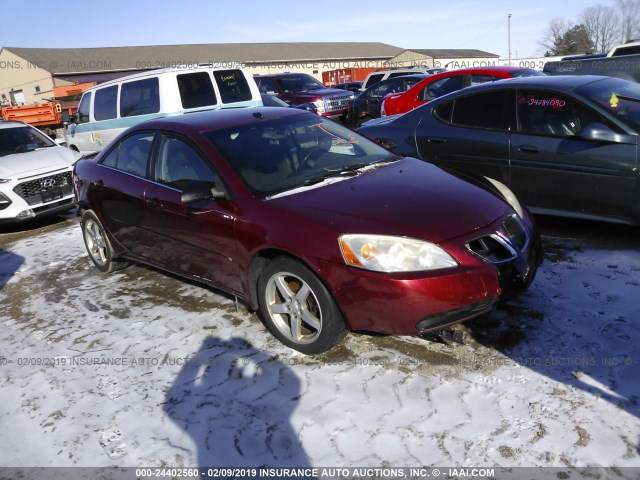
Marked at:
<point>319,106</point>
<point>508,195</point>
<point>382,253</point>
<point>4,180</point>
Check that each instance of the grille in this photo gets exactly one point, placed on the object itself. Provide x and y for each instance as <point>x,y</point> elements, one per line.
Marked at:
<point>335,104</point>
<point>45,189</point>
<point>492,248</point>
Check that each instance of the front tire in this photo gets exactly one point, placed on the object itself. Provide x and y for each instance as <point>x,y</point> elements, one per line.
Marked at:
<point>297,307</point>
<point>98,245</point>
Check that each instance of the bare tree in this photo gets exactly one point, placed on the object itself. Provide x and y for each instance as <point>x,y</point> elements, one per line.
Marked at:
<point>555,31</point>
<point>603,25</point>
<point>629,19</point>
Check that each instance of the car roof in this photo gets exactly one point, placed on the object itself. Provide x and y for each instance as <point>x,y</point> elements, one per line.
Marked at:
<point>280,75</point>
<point>202,67</point>
<point>561,82</point>
<point>211,120</point>
<point>489,69</point>
<point>419,76</point>
<point>11,124</point>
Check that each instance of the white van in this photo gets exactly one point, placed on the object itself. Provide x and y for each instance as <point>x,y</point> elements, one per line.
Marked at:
<point>112,107</point>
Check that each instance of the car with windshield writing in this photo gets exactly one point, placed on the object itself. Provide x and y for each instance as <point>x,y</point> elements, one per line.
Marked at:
<point>565,145</point>
<point>319,229</point>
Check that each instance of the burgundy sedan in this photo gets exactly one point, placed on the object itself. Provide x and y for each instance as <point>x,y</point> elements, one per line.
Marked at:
<point>318,228</point>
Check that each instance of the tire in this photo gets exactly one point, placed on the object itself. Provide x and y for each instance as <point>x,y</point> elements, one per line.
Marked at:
<point>98,244</point>
<point>298,309</point>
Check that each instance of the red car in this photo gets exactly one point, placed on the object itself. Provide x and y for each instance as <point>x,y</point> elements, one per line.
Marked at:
<point>318,228</point>
<point>442,83</point>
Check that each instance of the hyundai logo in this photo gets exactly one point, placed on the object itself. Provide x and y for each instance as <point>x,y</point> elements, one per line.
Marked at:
<point>48,182</point>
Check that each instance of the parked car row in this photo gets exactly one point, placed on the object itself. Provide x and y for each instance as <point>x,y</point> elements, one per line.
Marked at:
<point>440,84</point>
<point>564,145</point>
<point>368,104</point>
<point>405,92</point>
<point>321,229</point>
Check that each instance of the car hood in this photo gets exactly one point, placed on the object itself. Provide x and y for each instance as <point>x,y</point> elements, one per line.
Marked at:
<point>37,161</point>
<point>323,92</point>
<point>409,198</point>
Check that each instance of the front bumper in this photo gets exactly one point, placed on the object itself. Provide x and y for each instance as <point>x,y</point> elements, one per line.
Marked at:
<point>60,206</point>
<point>416,303</point>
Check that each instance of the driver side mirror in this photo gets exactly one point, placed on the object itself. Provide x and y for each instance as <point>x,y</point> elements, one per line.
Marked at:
<point>599,132</point>
<point>197,191</point>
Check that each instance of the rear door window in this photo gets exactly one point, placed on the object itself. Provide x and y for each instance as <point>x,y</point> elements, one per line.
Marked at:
<point>196,90</point>
<point>141,97</point>
<point>233,86</point>
<point>487,110</point>
<point>132,155</point>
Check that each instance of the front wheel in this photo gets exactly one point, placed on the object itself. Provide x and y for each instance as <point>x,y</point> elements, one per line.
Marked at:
<point>98,245</point>
<point>298,309</point>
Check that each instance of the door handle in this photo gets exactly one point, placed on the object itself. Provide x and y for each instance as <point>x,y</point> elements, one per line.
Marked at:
<point>528,149</point>
<point>437,140</point>
<point>152,202</point>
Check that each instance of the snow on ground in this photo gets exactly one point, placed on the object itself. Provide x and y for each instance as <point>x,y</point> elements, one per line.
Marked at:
<point>138,368</point>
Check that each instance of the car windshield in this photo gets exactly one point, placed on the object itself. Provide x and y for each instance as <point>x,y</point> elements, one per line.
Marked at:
<point>619,97</point>
<point>21,140</point>
<point>278,155</point>
<point>299,83</point>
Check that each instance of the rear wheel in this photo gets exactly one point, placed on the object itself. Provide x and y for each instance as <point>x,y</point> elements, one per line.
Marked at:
<point>98,245</point>
<point>297,308</point>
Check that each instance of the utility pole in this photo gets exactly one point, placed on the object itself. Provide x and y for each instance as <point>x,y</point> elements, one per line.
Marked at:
<point>509,36</point>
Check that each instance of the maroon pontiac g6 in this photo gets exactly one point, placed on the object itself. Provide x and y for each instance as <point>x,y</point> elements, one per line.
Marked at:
<point>318,228</point>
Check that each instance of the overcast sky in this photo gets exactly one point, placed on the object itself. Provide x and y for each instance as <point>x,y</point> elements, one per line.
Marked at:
<point>411,24</point>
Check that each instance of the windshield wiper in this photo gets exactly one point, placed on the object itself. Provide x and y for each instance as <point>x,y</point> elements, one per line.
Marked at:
<point>348,171</point>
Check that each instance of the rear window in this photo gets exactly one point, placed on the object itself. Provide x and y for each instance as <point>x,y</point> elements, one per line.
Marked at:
<point>233,86</point>
<point>196,90</point>
<point>140,98</point>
